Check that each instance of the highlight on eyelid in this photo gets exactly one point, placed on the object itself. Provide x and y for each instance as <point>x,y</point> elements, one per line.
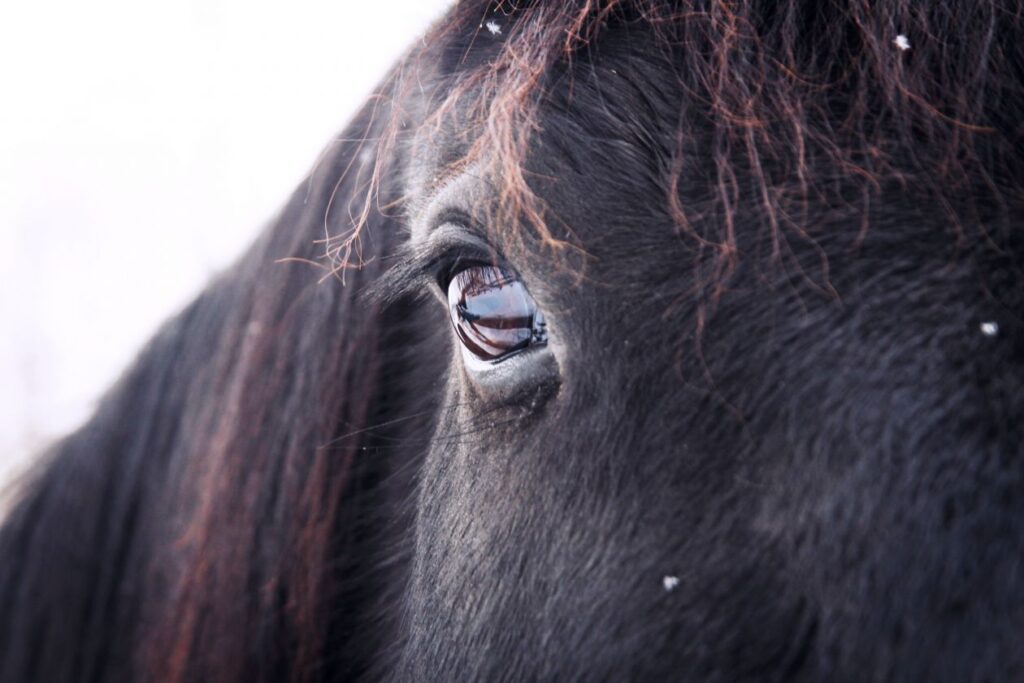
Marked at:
<point>493,314</point>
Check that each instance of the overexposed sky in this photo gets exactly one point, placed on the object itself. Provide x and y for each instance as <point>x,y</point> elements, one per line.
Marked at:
<point>142,146</point>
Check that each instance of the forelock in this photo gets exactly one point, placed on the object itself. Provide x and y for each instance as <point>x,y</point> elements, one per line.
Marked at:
<point>790,104</point>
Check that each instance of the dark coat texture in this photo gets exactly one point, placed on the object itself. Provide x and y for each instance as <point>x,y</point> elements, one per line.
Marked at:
<point>774,433</point>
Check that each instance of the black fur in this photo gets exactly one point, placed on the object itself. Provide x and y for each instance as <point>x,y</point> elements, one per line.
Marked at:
<point>302,481</point>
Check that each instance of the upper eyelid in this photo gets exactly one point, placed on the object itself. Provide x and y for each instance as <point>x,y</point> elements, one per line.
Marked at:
<point>453,231</point>
<point>452,244</point>
<point>420,265</point>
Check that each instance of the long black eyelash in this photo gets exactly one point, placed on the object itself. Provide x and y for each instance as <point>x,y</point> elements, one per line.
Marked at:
<point>419,269</point>
<point>447,270</point>
<point>409,277</point>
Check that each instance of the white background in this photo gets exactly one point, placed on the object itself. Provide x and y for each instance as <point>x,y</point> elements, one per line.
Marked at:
<point>142,146</point>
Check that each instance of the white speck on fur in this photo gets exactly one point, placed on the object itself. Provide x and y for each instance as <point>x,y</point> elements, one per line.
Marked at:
<point>902,42</point>
<point>989,328</point>
<point>670,583</point>
<point>494,27</point>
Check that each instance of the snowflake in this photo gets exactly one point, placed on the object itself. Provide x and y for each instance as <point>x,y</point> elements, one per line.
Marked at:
<point>989,328</point>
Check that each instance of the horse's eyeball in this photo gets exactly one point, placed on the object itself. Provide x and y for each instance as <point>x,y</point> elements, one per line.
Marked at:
<point>493,314</point>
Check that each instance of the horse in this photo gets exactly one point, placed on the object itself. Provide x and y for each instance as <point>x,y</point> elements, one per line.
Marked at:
<point>611,340</point>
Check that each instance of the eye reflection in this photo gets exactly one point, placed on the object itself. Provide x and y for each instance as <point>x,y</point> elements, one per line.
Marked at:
<point>493,314</point>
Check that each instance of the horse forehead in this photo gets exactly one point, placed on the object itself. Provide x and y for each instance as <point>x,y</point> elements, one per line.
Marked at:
<point>614,211</point>
<point>603,131</point>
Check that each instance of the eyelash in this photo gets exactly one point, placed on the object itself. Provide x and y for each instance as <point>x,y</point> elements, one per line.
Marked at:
<point>454,261</point>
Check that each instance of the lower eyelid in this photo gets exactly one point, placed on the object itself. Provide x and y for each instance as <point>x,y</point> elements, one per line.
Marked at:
<point>511,381</point>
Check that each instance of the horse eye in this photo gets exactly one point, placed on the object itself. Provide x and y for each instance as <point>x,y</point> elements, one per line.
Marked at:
<point>493,314</point>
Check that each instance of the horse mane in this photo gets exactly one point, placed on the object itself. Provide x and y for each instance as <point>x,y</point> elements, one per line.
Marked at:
<point>198,527</point>
<point>213,519</point>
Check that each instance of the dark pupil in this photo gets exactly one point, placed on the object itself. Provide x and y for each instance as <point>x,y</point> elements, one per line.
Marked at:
<point>492,312</point>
